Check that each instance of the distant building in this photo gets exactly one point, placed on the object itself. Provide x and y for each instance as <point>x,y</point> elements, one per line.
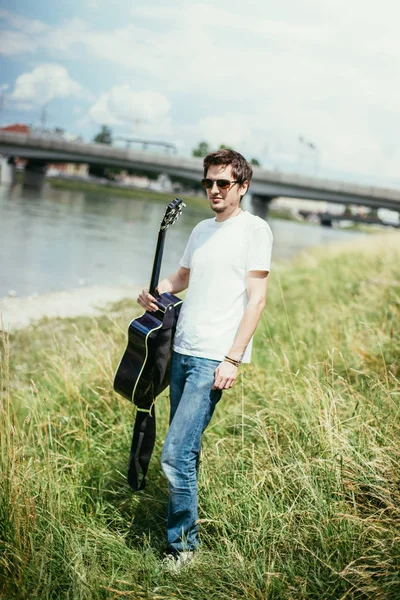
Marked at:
<point>294,205</point>
<point>140,181</point>
<point>161,184</point>
<point>23,129</point>
<point>389,216</point>
<point>69,169</point>
<point>17,128</point>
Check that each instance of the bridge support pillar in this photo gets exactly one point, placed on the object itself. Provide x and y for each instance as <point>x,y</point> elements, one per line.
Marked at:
<point>260,204</point>
<point>325,219</point>
<point>7,171</point>
<point>35,172</point>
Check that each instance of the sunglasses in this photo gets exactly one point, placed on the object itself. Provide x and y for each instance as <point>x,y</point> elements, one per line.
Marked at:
<point>223,184</point>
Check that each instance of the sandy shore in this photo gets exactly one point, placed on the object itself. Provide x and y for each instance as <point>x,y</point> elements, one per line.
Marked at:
<point>19,312</point>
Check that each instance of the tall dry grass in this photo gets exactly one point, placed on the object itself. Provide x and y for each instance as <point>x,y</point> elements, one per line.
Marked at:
<point>299,483</point>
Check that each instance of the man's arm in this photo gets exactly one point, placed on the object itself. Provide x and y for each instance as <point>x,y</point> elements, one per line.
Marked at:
<point>175,283</point>
<point>226,373</point>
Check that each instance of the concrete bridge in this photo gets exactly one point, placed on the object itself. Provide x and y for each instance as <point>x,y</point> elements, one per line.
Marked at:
<point>266,185</point>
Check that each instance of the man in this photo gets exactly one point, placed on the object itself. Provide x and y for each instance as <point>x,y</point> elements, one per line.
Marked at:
<point>225,267</point>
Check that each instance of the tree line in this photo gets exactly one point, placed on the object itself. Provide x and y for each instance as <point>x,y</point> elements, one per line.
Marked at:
<point>204,148</point>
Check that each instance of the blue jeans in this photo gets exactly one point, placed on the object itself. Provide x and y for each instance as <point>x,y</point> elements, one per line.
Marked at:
<point>192,406</point>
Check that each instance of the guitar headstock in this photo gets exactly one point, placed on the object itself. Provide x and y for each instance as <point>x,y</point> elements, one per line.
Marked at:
<point>172,213</point>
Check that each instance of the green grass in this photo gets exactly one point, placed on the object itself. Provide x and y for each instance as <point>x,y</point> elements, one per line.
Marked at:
<point>198,202</point>
<point>102,188</point>
<point>299,483</point>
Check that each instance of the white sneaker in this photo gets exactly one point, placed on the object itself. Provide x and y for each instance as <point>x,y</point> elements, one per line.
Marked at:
<point>175,562</point>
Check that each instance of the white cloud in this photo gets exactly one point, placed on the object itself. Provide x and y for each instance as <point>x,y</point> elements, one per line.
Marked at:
<point>44,83</point>
<point>21,35</point>
<point>253,75</point>
<point>67,38</point>
<point>15,42</point>
<point>30,26</point>
<point>122,104</point>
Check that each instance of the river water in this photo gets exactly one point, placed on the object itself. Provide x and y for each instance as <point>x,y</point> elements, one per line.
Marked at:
<point>59,239</point>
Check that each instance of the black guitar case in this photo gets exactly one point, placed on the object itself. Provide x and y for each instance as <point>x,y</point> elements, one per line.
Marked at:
<point>144,430</point>
<point>143,372</point>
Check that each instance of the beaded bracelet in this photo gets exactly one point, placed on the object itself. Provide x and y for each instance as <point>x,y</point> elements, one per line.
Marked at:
<point>233,361</point>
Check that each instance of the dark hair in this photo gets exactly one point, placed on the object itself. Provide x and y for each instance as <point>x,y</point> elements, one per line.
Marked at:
<point>241,169</point>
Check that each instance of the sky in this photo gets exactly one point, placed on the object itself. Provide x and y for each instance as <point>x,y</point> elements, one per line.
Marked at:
<point>309,86</point>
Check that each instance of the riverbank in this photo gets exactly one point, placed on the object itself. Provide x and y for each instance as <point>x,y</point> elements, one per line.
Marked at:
<point>299,481</point>
<point>127,192</point>
<point>17,313</point>
<point>199,202</point>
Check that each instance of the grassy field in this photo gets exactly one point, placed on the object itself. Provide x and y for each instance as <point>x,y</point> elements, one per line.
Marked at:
<point>299,483</point>
<point>134,194</point>
<point>198,202</point>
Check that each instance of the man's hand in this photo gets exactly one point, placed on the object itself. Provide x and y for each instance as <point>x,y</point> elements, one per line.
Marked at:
<point>225,376</point>
<point>147,300</point>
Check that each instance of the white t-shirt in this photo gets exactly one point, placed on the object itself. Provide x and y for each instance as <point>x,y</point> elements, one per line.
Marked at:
<point>219,256</point>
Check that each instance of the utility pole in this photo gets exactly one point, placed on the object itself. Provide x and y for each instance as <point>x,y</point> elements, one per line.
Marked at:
<point>43,118</point>
<point>310,146</point>
<point>1,104</point>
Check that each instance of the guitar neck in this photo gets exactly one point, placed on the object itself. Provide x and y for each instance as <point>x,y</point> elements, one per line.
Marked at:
<point>155,275</point>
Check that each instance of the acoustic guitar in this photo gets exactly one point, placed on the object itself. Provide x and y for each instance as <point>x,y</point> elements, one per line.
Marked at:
<point>143,372</point>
